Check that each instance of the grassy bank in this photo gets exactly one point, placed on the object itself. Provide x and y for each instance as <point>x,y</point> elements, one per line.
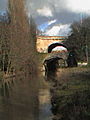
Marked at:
<point>71,94</point>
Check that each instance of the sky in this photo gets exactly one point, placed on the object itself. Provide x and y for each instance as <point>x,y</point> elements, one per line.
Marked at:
<point>3,4</point>
<point>54,17</point>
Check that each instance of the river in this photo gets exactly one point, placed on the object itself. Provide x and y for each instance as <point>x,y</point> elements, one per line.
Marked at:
<point>23,101</point>
<point>45,96</point>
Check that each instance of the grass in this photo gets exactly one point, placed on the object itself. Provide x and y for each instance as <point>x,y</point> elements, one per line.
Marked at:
<point>71,96</point>
<point>1,76</point>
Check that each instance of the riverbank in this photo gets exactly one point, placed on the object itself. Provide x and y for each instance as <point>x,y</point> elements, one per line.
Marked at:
<point>71,94</point>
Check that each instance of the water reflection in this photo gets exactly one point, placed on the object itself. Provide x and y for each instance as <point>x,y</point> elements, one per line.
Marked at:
<point>20,102</point>
<point>45,106</point>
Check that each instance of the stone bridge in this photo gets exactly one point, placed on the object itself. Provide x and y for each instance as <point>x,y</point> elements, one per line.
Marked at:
<point>43,42</point>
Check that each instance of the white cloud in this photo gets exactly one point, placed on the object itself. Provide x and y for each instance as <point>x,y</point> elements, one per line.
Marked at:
<point>79,5</point>
<point>51,22</point>
<point>65,11</point>
<point>45,11</point>
<point>60,29</point>
<point>53,31</point>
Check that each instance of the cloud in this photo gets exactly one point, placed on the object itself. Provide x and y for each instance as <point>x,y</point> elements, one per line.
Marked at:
<point>78,5</point>
<point>3,4</point>
<point>37,7</point>
<point>46,25</point>
<point>59,30</point>
<point>53,31</point>
<point>45,11</point>
<point>63,11</point>
<point>51,22</point>
<point>66,11</point>
<point>48,10</point>
<point>59,13</point>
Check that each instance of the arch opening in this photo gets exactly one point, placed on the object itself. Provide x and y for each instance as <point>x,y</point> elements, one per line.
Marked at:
<point>52,46</point>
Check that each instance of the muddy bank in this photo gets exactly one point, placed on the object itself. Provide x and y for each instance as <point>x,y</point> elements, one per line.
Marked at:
<point>71,94</point>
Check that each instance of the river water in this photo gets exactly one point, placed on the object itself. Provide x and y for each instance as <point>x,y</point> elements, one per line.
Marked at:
<point>23,101</point>
<point>45,105</point>
<point>45,97</point>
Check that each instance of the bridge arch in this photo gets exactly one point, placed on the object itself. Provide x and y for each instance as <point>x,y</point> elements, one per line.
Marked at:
<point>53,45</point>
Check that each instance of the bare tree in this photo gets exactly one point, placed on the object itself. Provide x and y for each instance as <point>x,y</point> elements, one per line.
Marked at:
<point>80,39</point>
<point>22,45</point>
<point>21,37</point>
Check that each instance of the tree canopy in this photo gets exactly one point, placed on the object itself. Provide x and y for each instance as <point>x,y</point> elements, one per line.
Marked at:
<point>79,39</point>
